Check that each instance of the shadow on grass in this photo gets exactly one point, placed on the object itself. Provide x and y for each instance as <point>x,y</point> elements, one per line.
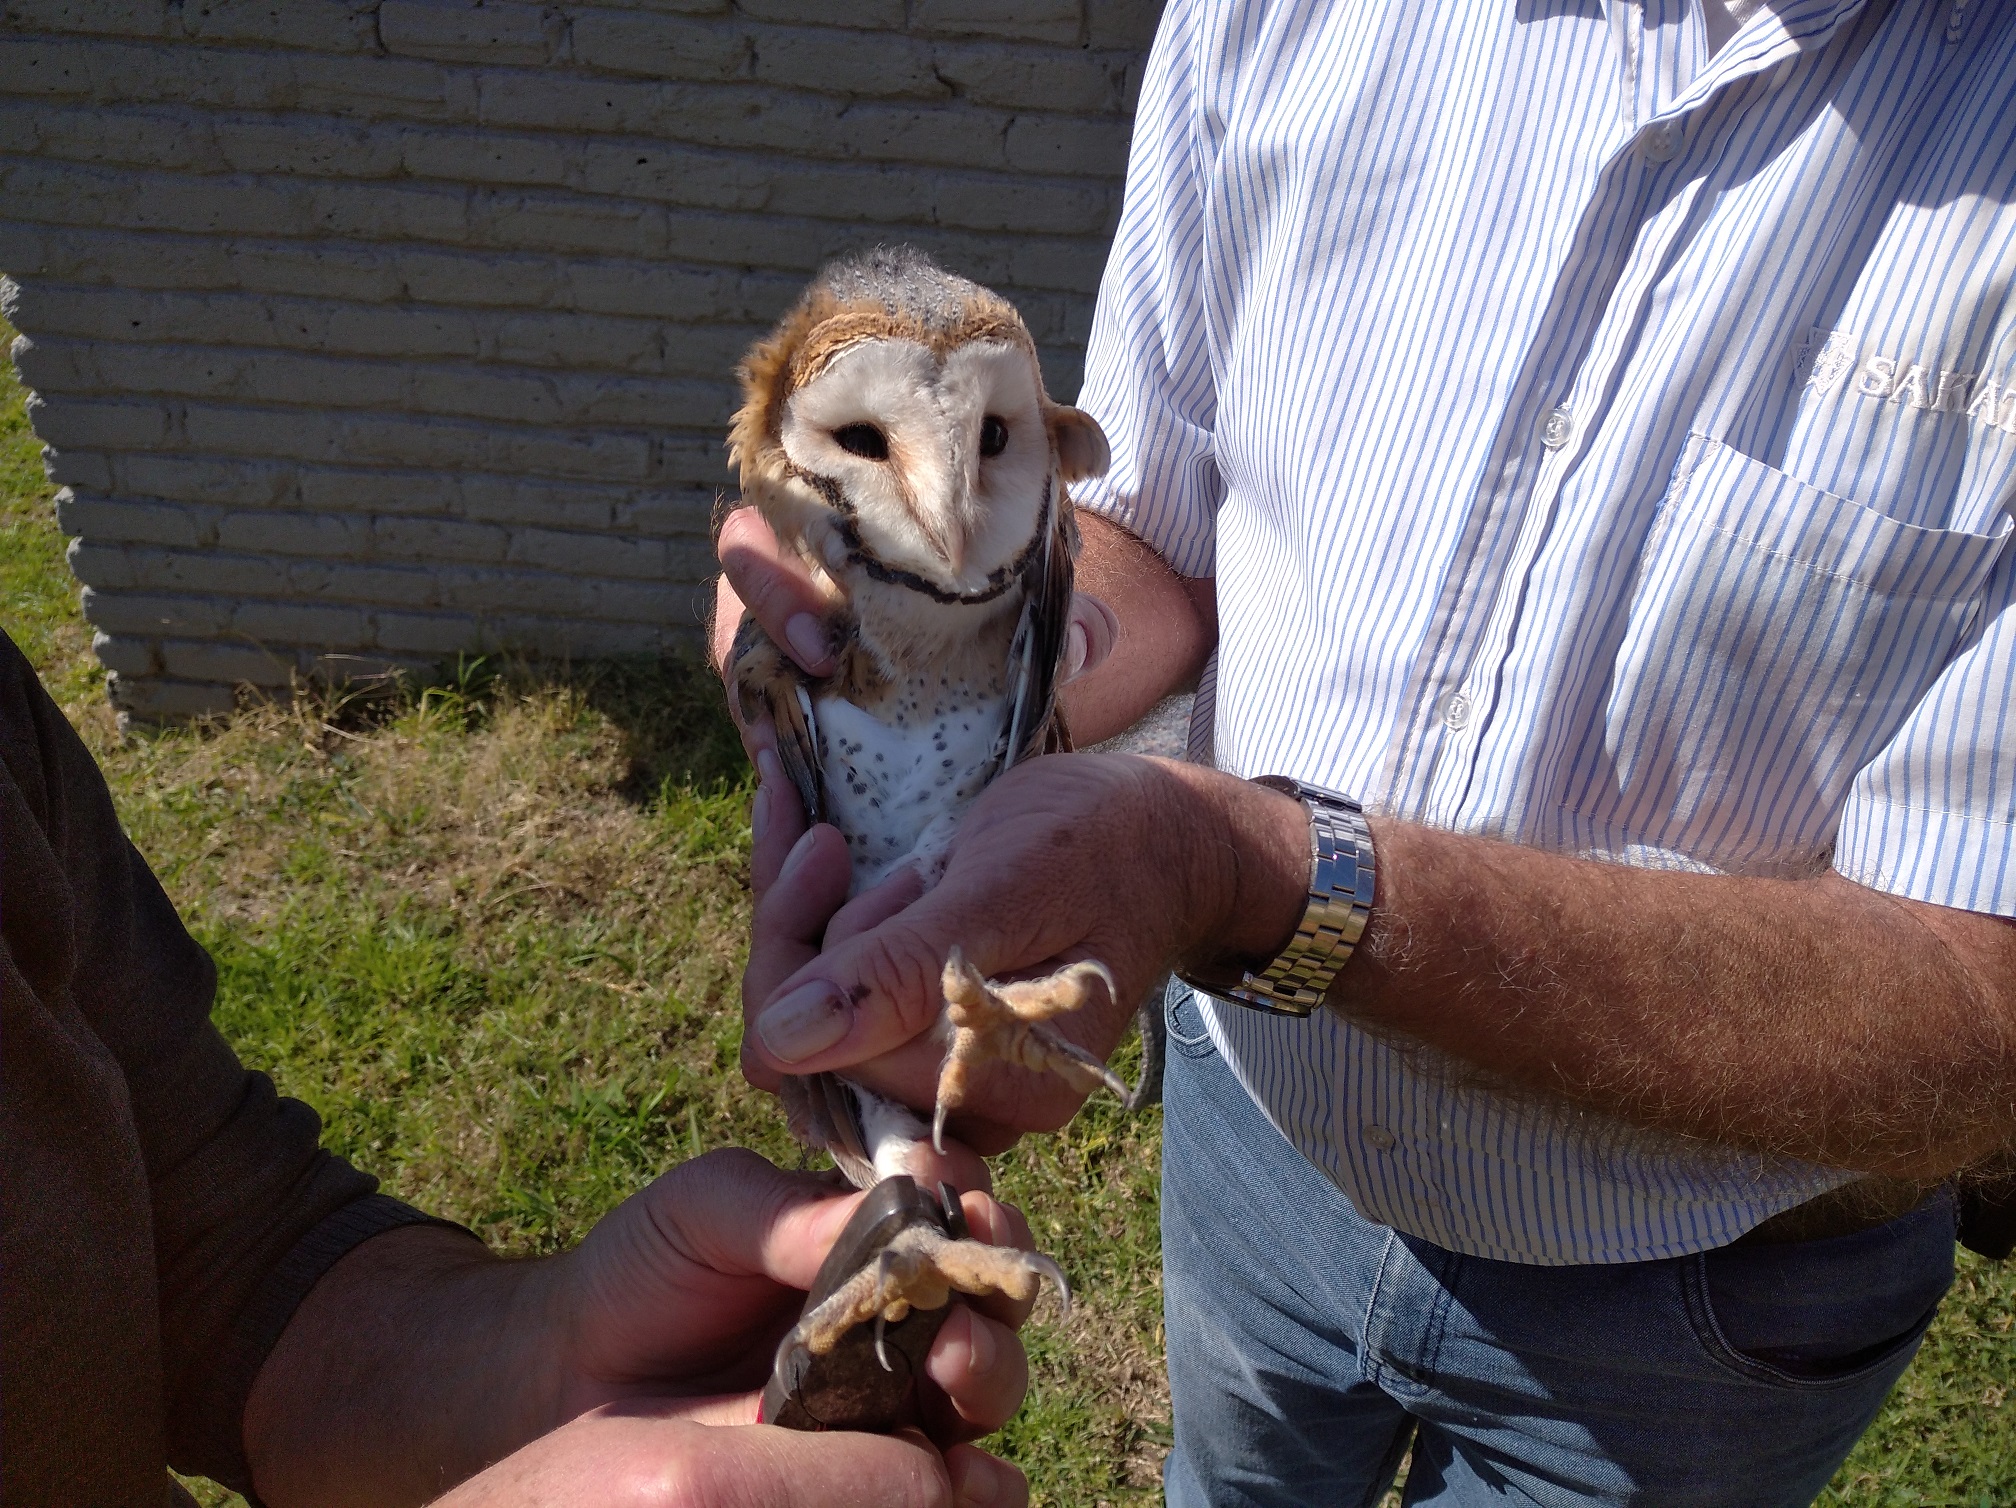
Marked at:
<point>670,713</point>
<point>673,718</point>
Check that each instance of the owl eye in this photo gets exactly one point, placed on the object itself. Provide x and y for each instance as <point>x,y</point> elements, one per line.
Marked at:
<point>863,440</point>
<point>993,436</point>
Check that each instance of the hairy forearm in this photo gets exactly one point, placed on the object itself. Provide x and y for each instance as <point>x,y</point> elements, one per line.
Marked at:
<point>401,1374</point>
<point>1167,627</point>
<point>1813,1018</point>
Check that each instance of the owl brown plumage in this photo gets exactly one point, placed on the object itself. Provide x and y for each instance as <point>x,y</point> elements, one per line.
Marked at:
<point>895,432</point>
<point>894,429</point>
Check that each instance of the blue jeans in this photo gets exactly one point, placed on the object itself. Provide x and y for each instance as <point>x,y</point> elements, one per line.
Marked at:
<point>1307,1346</point>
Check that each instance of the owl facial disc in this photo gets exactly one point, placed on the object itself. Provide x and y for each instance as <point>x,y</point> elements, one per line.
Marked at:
<point>943,465</point>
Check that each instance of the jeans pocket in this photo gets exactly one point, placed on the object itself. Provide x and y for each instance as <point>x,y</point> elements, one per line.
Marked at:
<point>1828,1313</point>
<point>1185,1018</point>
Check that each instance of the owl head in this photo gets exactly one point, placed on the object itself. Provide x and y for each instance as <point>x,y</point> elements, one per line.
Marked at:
<point>896,420</point>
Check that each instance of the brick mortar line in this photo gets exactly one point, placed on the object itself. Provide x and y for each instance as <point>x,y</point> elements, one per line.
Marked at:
<point>467,421</point>
<point>769,224</point>
<point>214,513</point>
<point>1005,177</point>
<point>336,355</point>
<point>241,244</point>
<point>471,74</point>
<point>709,437</point>
<point>748,27</point>
<point>677,592</point>
<point>532,576</point>
<point>468,189</point>
<point>298,472</point>
<point>417,366</point>
<point>557,265</point>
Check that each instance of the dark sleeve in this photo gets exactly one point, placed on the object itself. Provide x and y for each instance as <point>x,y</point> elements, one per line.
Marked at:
<point>248,1210</point>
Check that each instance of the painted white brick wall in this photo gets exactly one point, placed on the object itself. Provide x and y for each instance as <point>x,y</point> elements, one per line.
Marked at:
<point>366,332</point>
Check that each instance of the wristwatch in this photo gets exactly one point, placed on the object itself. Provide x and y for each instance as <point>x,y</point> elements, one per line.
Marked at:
<point>1342,873</point>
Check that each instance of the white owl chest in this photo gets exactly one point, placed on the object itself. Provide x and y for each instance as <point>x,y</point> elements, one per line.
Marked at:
<point>897,779</point>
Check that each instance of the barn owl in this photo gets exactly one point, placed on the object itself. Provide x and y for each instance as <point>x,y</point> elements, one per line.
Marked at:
<point>894,430</point>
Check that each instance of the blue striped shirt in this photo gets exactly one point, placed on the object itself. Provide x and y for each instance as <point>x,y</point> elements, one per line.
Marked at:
<point>1601,445</point>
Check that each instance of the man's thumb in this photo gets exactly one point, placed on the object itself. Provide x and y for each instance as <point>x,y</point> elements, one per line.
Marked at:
<point>861,999</point>
<point>764,1467</point>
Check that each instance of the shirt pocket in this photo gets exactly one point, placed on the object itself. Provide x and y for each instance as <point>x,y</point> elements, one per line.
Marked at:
<point>1777,637</point>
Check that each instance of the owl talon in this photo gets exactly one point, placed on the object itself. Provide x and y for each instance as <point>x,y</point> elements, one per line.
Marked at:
<point>1010,1022</point>
<point>901,1258</point>
<point>922,1269</point>
<point>1055,1274</point>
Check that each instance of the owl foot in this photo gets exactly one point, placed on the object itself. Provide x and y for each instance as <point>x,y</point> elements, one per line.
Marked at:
<point>921,1269</point>
<point>897,1262</point>
<point>1008,1022</point>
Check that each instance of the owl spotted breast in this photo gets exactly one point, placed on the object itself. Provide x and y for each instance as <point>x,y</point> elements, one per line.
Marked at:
<point>895,432</point>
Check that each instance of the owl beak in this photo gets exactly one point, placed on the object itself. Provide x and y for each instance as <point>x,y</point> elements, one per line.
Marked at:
<point>953,547</point>
<point>948,540</point>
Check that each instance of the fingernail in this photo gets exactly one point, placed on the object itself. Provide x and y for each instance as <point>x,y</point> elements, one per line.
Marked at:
<point>797,856</point>
<point>759,811</point>
<point>982,1349</point>
<point>810,1019</point>
<point>1074,651</point>
<point>768,770</point>
<point>807,637</point>
<point>980,1481</point>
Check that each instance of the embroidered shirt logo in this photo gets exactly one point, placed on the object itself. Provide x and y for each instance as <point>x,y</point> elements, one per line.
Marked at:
<point>1831,356</point>
<point>1832,361</point>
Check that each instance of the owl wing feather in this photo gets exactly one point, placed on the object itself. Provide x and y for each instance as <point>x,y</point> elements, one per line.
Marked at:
<point>818,1107</point>
<point>822,1113</point>
<point>769,683</point>
<point>1036,722</point>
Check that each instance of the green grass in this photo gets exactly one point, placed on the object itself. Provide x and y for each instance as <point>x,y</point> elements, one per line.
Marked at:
<point>491,931</point>
<point>38,595</point>
<point>1947,1436</point>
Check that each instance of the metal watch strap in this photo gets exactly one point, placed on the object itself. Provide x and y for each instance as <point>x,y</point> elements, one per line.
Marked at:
<point>1342,874</point>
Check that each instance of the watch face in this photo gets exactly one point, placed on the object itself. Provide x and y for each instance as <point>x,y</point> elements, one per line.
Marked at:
<point>1341,878</point>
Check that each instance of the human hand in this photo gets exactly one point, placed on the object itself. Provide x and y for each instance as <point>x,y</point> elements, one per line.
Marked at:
<point>1134,862</point>
<point>668,1315</point>
<point>677,1280</point>
<point>421,1359</point>
<point>686,1288</point>
<point>800,879</point>
<point>759,577</point>
<point>761,580</point>
<point>633,1360</point>
<point>654,1454</point>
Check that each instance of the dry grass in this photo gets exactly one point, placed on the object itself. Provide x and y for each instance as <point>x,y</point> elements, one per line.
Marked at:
<point>536,957</point>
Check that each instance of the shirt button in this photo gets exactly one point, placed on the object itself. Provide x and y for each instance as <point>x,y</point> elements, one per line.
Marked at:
<point>1456,710</point>
<point>1660,143</point>
<point>1558,428</point>
<point>1379,1138</point>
